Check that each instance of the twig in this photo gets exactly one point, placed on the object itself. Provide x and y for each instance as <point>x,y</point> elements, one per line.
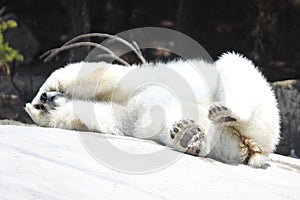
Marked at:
<point>139,50</point>
<point>54,52</point>
<point>70,44</point>
<point>114,57</point>
<point>135,49</point>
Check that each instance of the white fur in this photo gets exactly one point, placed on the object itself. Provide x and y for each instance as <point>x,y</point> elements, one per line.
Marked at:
<point>99,100</point>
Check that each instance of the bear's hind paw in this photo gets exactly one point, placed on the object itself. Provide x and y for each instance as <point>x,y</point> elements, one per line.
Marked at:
<point>222,115</point>
<point>187,136</point>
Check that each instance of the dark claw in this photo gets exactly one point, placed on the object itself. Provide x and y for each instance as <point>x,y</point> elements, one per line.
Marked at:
<point>172,135</point>
<point>43,98</point>
<point>180,125</point>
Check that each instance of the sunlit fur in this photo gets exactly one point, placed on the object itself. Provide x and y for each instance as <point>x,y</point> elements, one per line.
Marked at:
<point>95,100</point>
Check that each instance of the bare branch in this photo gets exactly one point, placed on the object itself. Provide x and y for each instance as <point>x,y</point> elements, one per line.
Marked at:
<point>73,43</point>
<point>133,47</point>
<point>53,52</point>
<point>113,57</point>
<point>138,49</point>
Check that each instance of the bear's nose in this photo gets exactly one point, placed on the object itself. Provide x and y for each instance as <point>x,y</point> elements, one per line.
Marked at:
<point>43,98</point>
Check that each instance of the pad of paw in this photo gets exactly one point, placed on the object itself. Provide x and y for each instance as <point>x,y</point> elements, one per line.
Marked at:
<point>187,135</point>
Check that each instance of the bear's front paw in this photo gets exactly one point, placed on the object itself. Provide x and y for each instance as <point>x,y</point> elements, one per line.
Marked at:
<point>47,101</point>
<point>188,137</point>
<point>41,112</point>
<point>53,99</point>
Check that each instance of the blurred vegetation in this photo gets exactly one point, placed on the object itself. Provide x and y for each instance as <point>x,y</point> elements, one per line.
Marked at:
<point>7,53</point>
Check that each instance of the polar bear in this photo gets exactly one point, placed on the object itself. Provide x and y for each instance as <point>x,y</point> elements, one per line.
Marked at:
<point>232,117</point>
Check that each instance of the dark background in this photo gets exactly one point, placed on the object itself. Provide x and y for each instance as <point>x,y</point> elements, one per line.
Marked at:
<point>267,31</point>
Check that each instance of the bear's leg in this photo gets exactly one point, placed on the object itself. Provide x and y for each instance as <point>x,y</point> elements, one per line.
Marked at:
<point>58,111</point>
<point>84,81</point>
<point>224,116</point>
<point>189,137</point>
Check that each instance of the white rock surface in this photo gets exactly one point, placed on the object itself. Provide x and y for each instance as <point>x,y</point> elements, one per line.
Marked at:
<point>42,163</point>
